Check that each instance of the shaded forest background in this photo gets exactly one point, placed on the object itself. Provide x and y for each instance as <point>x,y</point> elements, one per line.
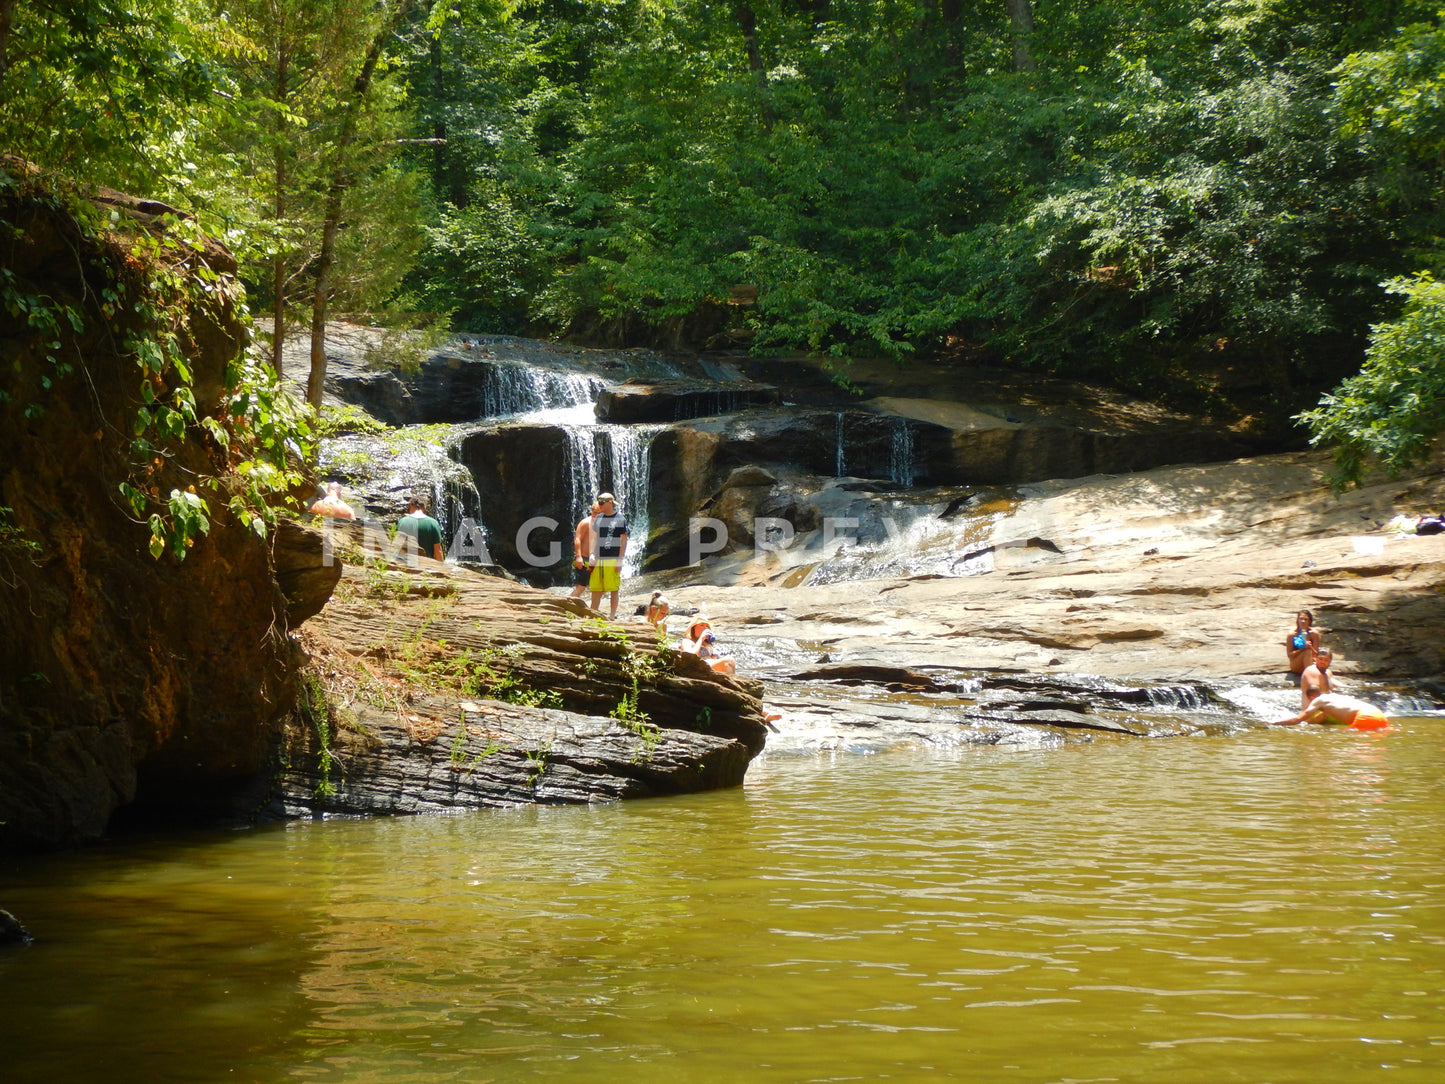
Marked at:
<point>1233,206</point>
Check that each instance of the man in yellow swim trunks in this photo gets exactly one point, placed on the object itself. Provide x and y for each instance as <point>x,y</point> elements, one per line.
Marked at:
<point>1341,710</point>
<point>609,547</point>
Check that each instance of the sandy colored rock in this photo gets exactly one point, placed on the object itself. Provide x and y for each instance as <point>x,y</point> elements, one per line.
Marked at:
<point>1165,574</point>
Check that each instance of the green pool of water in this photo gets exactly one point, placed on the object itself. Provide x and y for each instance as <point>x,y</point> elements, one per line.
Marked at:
<point>1265,908</point>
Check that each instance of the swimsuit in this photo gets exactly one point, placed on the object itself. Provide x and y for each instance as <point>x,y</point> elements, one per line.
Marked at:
<point>1369,719</point>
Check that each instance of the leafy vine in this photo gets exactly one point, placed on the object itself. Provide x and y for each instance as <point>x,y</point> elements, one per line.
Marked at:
<point>157,280</point>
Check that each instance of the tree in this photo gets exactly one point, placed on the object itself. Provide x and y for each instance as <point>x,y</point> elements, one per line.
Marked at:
<point>1021,20</point>
<point>93,88</point>
<point>1394,408</point>
<point>1391,104</point>
<point>342,177</point>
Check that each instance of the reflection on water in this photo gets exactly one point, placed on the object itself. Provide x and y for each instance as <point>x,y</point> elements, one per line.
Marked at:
<point>1266,907</point>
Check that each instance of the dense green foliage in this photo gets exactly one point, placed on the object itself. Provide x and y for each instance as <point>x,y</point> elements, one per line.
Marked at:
<point>1392,409</point>
<point>1173,196</point>
<point>142,286</point>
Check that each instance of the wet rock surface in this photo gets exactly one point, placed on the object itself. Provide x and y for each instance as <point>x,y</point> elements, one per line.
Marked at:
<point>672,400</point>
<point>1158,606</point>
<point>927,425</point>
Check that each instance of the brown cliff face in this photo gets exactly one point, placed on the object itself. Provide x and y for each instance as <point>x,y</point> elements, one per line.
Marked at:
<point>123,678</point>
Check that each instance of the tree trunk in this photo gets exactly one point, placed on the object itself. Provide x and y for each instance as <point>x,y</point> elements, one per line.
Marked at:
<point>341,181</point>
<point>1021,21</point>
<point>7,22</point>
<point>748,24</point>
<point>280,91</point>
<point>445,177</point>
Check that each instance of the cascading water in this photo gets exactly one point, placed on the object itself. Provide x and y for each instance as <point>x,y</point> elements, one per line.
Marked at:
<point>512,388</point>
<point>457,503</point>
<point>901,468</point>
<point>617,458</point>
<point>838,459</point>
<point>1179,697</point>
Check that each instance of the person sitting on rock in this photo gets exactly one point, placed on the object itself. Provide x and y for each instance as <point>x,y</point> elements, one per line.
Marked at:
<point>1314,680</point>
<point>1301,644</point>
<point>330,504</point>
<point>657,610</point>
<point>702,642</point>
<point>1341,710</point>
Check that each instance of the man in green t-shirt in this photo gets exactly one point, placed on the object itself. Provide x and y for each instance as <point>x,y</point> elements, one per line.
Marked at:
<point>421,529</point>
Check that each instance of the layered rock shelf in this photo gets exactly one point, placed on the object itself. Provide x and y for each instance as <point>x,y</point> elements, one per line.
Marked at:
<point>435,687</point>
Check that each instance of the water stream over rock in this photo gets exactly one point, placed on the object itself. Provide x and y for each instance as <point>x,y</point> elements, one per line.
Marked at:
<point>815,497</point>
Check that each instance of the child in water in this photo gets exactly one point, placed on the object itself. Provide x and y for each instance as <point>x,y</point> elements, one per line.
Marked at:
<point>1300,645</point>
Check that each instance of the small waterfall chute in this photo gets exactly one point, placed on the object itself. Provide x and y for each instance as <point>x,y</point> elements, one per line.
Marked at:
<point>901,468</point>
<point>512,388</point>
<point>618,459</point>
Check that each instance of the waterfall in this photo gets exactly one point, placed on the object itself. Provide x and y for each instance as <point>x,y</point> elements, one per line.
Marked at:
<point>454,498</point>
<point>713,402</point>
<point>900,453</point>
<point>1179,697</point>
<point>616,459</point>
<point>514,388</point>
<point>630,455</point>
<point>584,472</point>
<point>838,461</point>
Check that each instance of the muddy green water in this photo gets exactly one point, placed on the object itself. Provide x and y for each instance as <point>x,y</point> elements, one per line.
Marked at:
<point>1265,907</point>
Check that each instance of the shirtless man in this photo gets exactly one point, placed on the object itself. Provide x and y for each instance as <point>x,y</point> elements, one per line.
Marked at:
<point>581,553</point>
<point>1301,644</point>
<point>1314,680</point>
<point>332,505</point>
<point>1341,710</point>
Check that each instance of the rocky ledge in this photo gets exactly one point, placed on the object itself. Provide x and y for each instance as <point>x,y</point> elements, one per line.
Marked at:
<point>1153,603</point>
<point>433,687</point>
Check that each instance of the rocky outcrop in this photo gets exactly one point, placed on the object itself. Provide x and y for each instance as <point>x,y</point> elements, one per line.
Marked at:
<point>928,424</point>
<point>12,932</point>
<point>401,379</point>
<point>124,680</point>
<point>434,687</point>
<point>1102,609</point>
<point>849,706</point>
<point>674,400</point>
<point>1153,603</point>
<point>169,688</point>
<point>525,472</point>
<point>303,572</point>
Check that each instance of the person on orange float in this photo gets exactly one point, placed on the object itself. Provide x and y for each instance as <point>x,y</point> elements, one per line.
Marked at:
<point>1340,710</point>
